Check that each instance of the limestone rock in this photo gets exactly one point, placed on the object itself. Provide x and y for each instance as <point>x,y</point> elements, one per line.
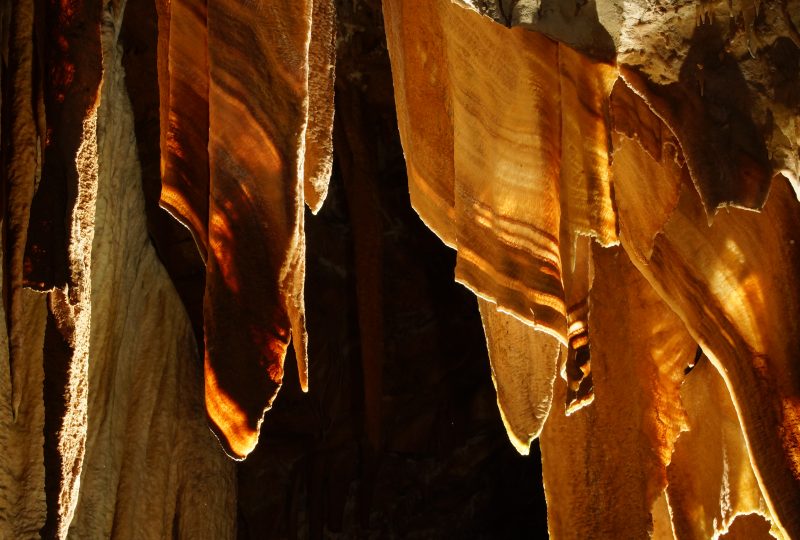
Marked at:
<point>619,180</point>
<point>666,149</point>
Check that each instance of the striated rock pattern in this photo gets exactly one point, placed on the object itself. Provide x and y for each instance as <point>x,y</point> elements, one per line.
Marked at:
<point>102,402</point>
<point>619,181</point>
<point>246,143</point>
<point>656,128</point>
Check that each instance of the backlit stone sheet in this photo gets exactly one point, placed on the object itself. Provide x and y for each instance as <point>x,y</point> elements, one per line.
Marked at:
<point>248,144</point>
<point>184,156</point>
<point>731,284</point>
<point>604,465</point>
<point>524,187</point>
<point>728,283</point>
<point>710,477</point>
<point>527,156</point>
<point>318,157</point>
<point>510,203</point>
<point>420,70</point>
<point>257,115</point>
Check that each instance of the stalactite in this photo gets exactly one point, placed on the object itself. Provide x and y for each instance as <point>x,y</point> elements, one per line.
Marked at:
<point>263,156</point>
<point>524,368</point>
<point>620,445</point>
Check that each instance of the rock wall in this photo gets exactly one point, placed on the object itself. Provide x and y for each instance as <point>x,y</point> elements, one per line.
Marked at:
<point>104,417</point>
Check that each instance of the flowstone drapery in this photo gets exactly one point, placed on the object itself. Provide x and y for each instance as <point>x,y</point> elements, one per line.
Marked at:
<point>618,179</point>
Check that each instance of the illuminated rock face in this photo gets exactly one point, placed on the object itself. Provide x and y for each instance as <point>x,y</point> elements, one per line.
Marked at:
<point>103,424</point>
<point>247,144</point>
<point>613,176</point>
<point>532,159</point>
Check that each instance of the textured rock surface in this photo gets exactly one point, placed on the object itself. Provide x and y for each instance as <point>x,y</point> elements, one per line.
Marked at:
<point>550,147</point>
<point>241,155</point>
<point>108,376</point>
<point>22,490</point>
<point>612,176</point>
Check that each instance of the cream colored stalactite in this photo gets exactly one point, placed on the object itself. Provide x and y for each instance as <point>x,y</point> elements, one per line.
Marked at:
<point>604,466</point>
<point>152,468</point>
<point>693,61</point>
<point>524,364</point>
<point>656,40</point>
<point>318,158</point>
<point>710,477</point>
<point>73,308</point>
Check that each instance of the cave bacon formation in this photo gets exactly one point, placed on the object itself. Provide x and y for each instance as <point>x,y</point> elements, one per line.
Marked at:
<point>619,180</point>
<point>246,145</point>
<point>613,176</point>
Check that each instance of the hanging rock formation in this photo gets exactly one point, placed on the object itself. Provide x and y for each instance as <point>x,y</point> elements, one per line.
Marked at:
<point>102,401</point>
<point>619,180</point>
<point>246,143</point>
<point>525,146</point>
